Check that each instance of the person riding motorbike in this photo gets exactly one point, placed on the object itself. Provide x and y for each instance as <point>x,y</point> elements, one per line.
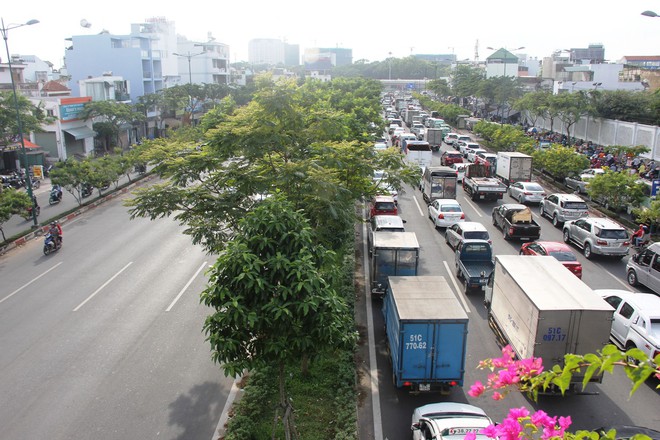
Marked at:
<point>640,236</point>
<point>56,231</point>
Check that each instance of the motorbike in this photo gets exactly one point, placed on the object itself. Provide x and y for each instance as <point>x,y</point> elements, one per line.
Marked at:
<point>86,190</point>
<point>28,214</point>
<point>55,196</point>
<point>140,168</point>
<point>51,244</point>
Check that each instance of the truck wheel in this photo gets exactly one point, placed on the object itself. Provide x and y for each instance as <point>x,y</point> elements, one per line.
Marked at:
<point>567,236</point>
<point>632,278</point>
<point>459,275</point>
<point>447,239</point>
<point>494,222</point>
<point>505,233</point>
<point>541,211</point>
<point>587,251</point>
<point>631,360</point>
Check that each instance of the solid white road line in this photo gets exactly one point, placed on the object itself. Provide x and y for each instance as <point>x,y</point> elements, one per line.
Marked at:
<point>101,288</point>
<point>461,295</point>
<point>28,283</point>
<point>185,287</point>
<point>474,208</point>
<point>626,285</point>
<point>373,368</point>
<point>419,208</point>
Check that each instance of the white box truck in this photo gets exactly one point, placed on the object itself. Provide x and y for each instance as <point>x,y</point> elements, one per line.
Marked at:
<point>513,167</point>
<point>542,309</point>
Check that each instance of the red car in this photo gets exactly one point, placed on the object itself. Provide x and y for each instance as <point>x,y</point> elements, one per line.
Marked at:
<point>450,157</point>
<point>383,205</point>
<point>561,251</point>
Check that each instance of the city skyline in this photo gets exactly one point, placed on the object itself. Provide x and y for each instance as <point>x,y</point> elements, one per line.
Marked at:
<point>373,30</point>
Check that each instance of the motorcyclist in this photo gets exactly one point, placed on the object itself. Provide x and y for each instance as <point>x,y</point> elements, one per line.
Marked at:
<point>640,235</point>
<point>56,231</point>
<point>56,192</point>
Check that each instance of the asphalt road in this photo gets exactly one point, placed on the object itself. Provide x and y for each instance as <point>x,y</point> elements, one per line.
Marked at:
<point>103,339</point>
<point>610,403</point>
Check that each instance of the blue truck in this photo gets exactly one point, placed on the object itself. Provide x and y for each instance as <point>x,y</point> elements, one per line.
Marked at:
<point>426,329</point>
<point>474,263</point>
<point>394,253</point>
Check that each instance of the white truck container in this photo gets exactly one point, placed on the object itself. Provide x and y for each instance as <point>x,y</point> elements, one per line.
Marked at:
<point>513,167</point>
<point>542,310</point>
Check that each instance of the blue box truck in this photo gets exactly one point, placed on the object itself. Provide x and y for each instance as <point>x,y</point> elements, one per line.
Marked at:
<point>426,329</point>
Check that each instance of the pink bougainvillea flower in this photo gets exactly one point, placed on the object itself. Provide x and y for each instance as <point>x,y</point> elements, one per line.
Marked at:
<point>477,389</point>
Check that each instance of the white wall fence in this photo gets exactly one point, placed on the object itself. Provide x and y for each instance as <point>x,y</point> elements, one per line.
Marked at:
<point>608,132</point>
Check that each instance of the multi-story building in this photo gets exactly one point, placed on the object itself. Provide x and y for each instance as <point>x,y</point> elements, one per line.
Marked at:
<point>323,58</point>
<point>202,62</point>
<point>593,54</point>
<point>273,52</point>
<point>502,63</point>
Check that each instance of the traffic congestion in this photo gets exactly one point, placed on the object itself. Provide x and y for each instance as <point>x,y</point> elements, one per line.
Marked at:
<point>498,256</point>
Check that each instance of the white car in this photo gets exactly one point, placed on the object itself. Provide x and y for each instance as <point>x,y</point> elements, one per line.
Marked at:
<point>460,170</point>
<point>465,147</point>
<point>380,146</point>
<point>445,212</point>
<point>526,192</point>
<point>382,187</point>
<point>450,138</point>
<point>472,154</point>
<point>636,320</point>
<point>448,420</point>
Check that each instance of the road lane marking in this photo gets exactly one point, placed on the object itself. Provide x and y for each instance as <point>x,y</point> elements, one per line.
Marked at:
<point>373,368</point>
<point>474,207</point>
<point>620,282</point>
<point>101,288</point>
<point>28,283</point>
<point>419,208</point>
<point>461,295</point>
<point>185,287</point>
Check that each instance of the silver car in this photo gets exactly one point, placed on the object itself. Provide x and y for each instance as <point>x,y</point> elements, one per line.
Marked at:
<point>526,192</point>
<point>458,232</point>
<point>597,235</point>
<point>563,207</point>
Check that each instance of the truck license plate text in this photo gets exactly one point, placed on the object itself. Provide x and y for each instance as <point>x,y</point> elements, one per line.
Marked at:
<point>554,335</point>
<point>416,343</point>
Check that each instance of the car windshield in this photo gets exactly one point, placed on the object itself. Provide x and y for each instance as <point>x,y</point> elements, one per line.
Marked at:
<point>450,208</point>
<point>385,206</point>
<point>478,235</point>
<point>563,255</point>
<point>617,234</point>
<point>576,205</point>
<point>533,187</point>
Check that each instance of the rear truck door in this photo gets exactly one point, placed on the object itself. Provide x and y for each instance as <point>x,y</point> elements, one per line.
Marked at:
<point>449,351</point>
<point>417,339</point>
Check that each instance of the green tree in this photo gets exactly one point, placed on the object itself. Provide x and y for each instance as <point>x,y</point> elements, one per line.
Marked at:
<point>440,87</point>
<point>616,190</point>
<point>289,138</point>
<point>149,103</point>
<point>466,80</point>
<point>532,104</point>
<point>114,114</point>
<point>12,202</point>
<point>560,161</point>
<point>649,215</point>
<point>624,105</point>
<point>570,108</point>
<point>31,117</point>
<point>272,306</point>
<point>72,174</point>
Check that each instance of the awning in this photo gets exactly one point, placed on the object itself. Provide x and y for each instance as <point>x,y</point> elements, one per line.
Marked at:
<point>80,132</point>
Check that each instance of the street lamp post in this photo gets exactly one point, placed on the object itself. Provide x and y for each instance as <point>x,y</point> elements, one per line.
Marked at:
<point>190,98</point>
<point>4,29</point>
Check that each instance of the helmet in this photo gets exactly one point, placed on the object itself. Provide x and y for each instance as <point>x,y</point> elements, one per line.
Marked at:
<point>52,223</point>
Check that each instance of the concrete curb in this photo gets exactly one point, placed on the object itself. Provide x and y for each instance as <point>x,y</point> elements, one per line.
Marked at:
<point>38,232</point>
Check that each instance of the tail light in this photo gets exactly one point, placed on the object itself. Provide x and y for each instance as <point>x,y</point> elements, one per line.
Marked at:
<point>601,242</point>
<point>490,241</point>
<point>527,193</point>
<point>462,216</point>
<point>441,216</point>
<point>626,243</point>
<point>511,230</point>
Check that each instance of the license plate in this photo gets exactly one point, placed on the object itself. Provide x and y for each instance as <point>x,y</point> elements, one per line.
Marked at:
<point>425,387</point>
<point>481,196</point>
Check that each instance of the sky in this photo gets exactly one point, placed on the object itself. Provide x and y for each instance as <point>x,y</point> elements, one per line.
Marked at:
<point>374,30</point>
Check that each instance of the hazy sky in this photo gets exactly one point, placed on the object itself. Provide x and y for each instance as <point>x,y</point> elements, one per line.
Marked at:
<point>372,29</point>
